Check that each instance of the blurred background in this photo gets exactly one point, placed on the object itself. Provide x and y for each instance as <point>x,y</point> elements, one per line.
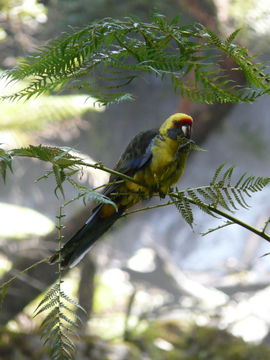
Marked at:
<point>152,285</point>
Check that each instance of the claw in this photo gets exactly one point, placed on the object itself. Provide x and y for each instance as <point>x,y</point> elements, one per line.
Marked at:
<point>162,195</point>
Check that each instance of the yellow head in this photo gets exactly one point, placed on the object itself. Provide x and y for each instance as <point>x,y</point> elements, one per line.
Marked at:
<point>176,126</point>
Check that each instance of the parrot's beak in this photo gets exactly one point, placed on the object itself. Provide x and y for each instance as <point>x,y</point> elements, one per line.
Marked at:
<point>186,131</point>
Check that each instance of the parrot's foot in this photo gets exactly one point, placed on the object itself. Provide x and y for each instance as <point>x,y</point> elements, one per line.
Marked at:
<point>162,194</point>
<point>157,190</point>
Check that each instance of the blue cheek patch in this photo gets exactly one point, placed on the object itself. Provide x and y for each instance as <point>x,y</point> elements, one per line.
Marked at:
<point>173,133</point>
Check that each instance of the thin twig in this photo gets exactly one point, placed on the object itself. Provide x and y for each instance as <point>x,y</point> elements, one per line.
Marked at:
<point>7,283</point>
<point>265,225</point>
<point>130,303</point>
<point>114,172</point>
<point>149,208</point>
<point>256,231</point>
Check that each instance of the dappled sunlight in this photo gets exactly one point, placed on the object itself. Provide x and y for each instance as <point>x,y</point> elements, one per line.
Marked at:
<point>21,222</point>
<point>254,14</point>
<point>173,282</point>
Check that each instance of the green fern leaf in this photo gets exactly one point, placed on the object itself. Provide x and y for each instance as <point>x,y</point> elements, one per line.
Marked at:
<point>238,196</point>
<point>71,301</point>
<point>221,193</point>
<point>5,163</point>
<point>232,37</point>
<point>61,319</point>
<point>216,174</point>
<point>163,48</point>
<point>229,198</point>
<point>51,294</point>
<point>184,209</point>
<point>206,195</point>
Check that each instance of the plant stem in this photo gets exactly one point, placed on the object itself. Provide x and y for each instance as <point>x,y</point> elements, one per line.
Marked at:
<point>7,283</point>
<point>213,209</point>
<point>149,208</point>
<point>232,218</point>
<point>114,172</point>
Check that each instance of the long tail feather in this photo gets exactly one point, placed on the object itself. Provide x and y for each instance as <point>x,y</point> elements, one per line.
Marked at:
<point>75,249</point>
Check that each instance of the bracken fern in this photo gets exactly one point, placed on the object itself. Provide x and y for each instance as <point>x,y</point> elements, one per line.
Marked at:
<point>223,192</point>
<point>58,328</point>
<point>220,193</point>
<point>109,54</point>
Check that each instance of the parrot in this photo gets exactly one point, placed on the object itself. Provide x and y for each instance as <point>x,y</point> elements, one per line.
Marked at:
<point>155,159</point>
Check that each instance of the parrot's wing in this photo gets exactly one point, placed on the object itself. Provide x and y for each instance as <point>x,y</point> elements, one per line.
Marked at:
<point>137,154</point>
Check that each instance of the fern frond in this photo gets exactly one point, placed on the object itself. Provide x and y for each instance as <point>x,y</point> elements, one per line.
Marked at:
<point>184,209</point>
<point>71,301</point>
<point>129,48</point>
<point>244,186</point>
<point>5,163</point>
<point>232,37</point>
<point>62,320</point>
<point>88,195</point>
<point>49,304</point>
<point>221,193</point>
<point>195,196</point>
<point>63,164</point>
<point>56,324</point>
<point>239,198</point>
<point>229,196</point>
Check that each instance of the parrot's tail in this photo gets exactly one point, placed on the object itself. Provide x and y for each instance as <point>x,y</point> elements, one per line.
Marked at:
<point>75,249</point>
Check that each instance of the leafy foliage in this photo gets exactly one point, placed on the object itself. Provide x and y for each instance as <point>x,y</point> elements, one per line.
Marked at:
<point>64,164</point>
<point>88,194</point>
<point>183,206</point>
<point>5,163</point>
<point>109,54</point>
<point>61,318</point>
<point>102,58</point>
<point>220,193</point>
<point>57,328</point>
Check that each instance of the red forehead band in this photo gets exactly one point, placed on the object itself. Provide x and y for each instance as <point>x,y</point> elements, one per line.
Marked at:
<point>183,122</point>
<point>186,121</point>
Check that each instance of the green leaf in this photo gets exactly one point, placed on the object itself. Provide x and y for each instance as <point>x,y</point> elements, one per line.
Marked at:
<point>5,162</point>
<point>184,209</point>
<point>120,51</point>
<point>231,37</point>
<point>60,319</point>
<point>223,192</point>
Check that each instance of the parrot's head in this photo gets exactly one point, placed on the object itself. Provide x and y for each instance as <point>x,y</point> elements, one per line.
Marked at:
<point>177,126</point>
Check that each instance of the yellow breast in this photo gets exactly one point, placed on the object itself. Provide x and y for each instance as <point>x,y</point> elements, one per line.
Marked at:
<point>164,169</point>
